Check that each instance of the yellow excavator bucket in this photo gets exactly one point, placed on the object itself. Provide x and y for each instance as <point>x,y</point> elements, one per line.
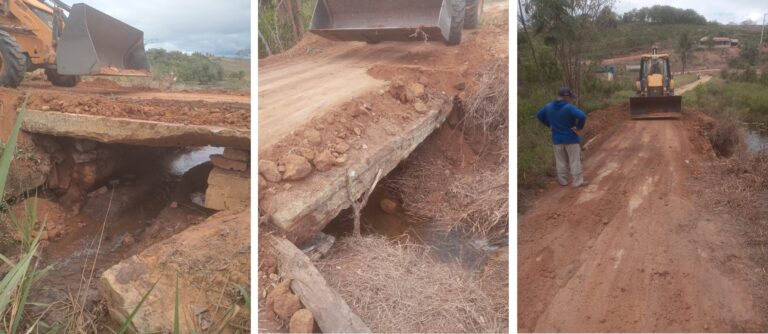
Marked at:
<point>647,107</point>
<point>94,43</point>
<point>377,20</point>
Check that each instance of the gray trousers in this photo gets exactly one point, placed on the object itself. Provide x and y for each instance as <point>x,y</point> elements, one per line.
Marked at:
<point>568,159</point>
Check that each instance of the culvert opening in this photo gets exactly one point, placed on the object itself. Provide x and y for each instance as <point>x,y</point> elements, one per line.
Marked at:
<point>119,199</point>
<point>388,214</point>
<point>449,195</point>
<point>433,252</point>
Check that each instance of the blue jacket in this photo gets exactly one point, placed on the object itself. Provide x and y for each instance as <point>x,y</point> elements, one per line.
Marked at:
<point>561,116</point>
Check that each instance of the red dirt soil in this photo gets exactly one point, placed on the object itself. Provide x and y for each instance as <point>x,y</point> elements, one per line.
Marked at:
<point>317,84</point>
<point>635,251</point>
<point>100,83</point>
<point>226,114</point>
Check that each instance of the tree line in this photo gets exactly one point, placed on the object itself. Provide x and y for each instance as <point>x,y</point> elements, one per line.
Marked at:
<point>196,67</point>
<point>662,14</point>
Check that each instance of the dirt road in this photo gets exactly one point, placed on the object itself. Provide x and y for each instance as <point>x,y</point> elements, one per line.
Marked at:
<point>291,92</point>
<point>693,85</point>
<point>635,250</point>
<point>318,76</point>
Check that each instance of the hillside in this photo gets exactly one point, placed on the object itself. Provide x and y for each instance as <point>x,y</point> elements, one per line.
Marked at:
<point>637,38</point>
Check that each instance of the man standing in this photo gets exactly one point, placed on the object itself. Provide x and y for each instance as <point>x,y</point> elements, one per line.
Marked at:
<point>564,119</point>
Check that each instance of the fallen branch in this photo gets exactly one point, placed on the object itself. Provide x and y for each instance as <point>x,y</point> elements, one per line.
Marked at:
<point>419,31</point>
<point>331,312</point>
<point>586,146</point>
<point>357,206</point>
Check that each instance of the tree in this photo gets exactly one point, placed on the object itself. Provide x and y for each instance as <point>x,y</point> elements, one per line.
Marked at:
<point>749,52</point>
<point>685,48</point>
<point>566,27</point>
<point>521,16</point>
<point>607,18</point>
<point>748,23</point>
<point>660,14</point>
<point>293,8</point>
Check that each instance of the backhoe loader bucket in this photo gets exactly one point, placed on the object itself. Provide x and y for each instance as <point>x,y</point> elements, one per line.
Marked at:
<point>377,20</point>
<point>644,107</point>
<point>94,43</point>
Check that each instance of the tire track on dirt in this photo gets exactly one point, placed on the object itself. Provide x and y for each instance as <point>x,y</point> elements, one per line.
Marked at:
<point>632,251</point>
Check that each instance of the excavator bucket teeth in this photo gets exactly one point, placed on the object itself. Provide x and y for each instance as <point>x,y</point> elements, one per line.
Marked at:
<point>648,107</point>
<point>376,20</point>
<point>94,43</point>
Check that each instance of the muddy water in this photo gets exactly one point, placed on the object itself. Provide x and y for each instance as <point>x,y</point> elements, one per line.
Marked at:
<point>398,226</point>
<point>757,140</point>
<point>185,161</point>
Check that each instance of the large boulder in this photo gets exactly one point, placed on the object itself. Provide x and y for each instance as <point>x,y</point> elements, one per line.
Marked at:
<point>209,259</point>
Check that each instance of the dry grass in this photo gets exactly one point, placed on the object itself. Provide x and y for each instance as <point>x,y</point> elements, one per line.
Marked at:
<point>400,288</point>
<point>472,200</point>
<point>741,183</point>
<point>727,138</point>
<point>738,181</point>
<point>486,111</point>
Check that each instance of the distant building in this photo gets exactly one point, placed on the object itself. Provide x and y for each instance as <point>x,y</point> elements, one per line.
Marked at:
<point>606,69</point>
<point>719,42</point>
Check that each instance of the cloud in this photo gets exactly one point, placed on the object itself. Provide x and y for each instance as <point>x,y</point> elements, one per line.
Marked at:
<point>218,27</point>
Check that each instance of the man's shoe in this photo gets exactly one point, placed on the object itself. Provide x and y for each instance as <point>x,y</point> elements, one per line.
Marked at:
<point>582,184</point>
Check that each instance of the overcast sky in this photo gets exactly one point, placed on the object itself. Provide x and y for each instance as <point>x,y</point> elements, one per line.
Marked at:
<point>721,11</point>
<point>220,27</point>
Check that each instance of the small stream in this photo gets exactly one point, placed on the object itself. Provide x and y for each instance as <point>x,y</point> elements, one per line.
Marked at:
<point>139,221</point>
<point>397,226</point>
<point>757,140</point>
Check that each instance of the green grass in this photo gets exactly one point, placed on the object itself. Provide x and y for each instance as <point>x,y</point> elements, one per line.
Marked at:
<point>128,323</point>
<point>237,72</point>
<point>684,79</point>
<point>534,149</point>
<point>193,71</point>
<point>744,101</point>
<point>17,282</point>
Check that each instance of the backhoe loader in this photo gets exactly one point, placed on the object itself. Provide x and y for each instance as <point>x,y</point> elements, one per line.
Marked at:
<point>655,89</point>
<point>374,21</point>
<point>36,34</point>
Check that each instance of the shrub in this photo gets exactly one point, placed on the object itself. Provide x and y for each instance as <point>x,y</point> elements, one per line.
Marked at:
<point>197,67</point>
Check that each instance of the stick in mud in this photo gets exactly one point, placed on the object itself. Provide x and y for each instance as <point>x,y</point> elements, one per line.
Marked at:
<point>358,206</point>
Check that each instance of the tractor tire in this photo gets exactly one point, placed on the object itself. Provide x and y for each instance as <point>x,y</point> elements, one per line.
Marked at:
<point>457,21</point>
<point>13,64</point>
<point>474,14</point>
<point>61,80</point>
